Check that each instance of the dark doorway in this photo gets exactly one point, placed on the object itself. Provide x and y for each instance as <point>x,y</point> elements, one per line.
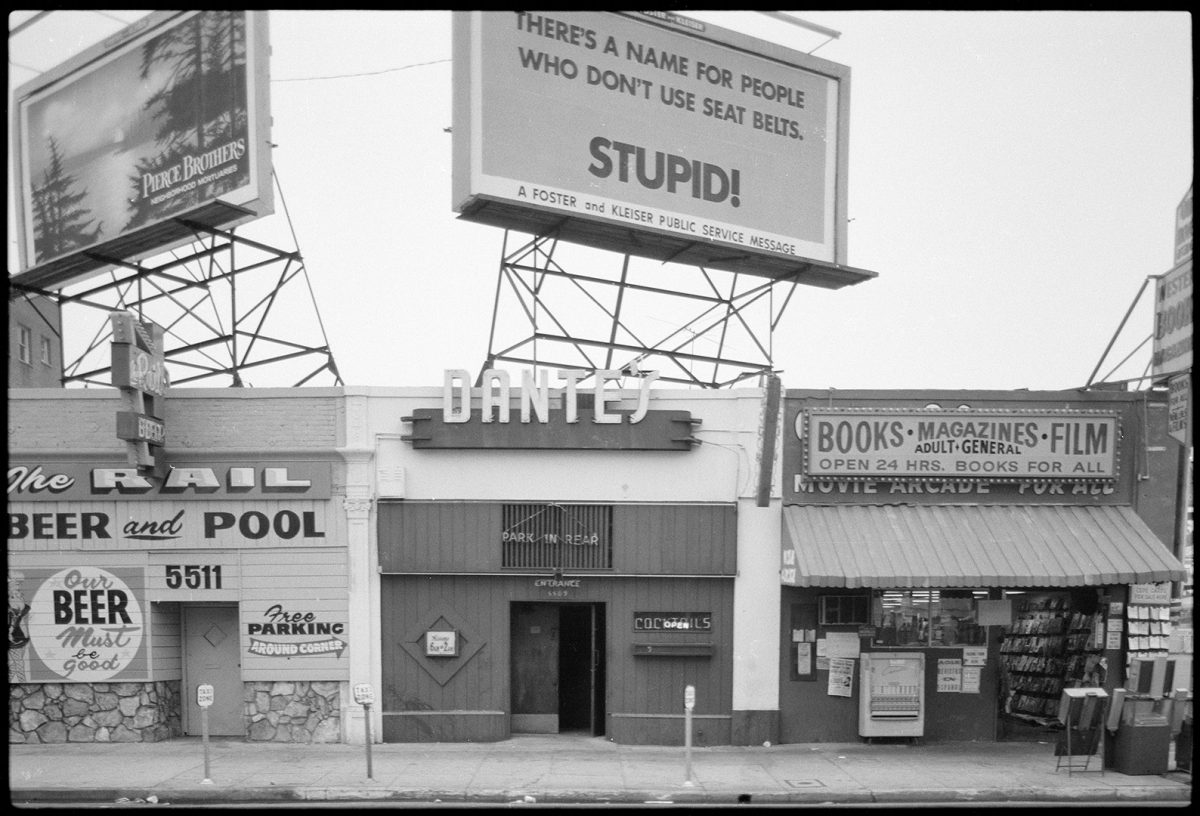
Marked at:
<point>557,668</point>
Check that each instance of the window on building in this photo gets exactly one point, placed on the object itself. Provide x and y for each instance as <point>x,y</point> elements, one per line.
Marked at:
<point>25,345</point>
<point>557,536</point>
<point>47,355</point>
<point>844,609</point>
<point>927,617</point>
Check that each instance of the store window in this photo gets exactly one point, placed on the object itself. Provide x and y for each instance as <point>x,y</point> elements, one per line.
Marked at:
<point>913,618</point>
<point>845,609</point>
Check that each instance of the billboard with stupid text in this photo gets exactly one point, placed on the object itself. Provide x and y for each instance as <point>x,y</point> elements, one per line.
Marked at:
<point>653,134</point>
<point>121,151</point>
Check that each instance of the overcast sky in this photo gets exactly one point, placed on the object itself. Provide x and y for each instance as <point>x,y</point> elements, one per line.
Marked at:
<point>1013,180</point>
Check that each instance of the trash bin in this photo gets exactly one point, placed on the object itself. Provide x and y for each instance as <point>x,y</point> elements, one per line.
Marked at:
<point>1143,746</point>
<point>1183,746</point>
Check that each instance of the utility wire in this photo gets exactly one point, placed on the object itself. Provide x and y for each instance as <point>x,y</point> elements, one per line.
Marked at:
<point>363,74</point>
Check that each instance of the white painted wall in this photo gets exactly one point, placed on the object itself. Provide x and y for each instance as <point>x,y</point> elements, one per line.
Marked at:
<point>722,468</point>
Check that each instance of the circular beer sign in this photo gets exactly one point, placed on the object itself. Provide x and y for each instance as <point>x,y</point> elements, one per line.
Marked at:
<point>85,624</point>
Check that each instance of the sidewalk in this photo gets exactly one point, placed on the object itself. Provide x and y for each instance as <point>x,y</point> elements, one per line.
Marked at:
<point>567,768</point>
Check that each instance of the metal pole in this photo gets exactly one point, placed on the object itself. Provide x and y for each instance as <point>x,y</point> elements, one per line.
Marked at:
<point>204,733</point>
<point>689,703</point>
<point>1117,333</point>
<point>687,746</point>
<point>367,713</point>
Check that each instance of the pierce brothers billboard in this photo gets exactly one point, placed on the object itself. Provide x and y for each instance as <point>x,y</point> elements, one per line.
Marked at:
<point>163,123</point>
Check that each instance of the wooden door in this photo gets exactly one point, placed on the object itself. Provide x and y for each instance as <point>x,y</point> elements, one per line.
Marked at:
<point>533,655</point>
<point>212,655</point>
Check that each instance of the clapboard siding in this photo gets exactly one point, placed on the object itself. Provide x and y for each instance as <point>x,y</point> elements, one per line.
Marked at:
<point>300,581</point>
<point>439,536</point>
<point>653,685</point>
<point>663,539</point>
<point>166,653</point>
<point>475,607</point>
<point>676,539</point>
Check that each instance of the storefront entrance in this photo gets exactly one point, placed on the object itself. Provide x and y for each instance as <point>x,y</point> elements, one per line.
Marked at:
<point>557,668</point>
<point>212,655</point>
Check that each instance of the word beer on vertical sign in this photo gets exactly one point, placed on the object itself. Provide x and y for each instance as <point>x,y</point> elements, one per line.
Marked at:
<point>139,370</point>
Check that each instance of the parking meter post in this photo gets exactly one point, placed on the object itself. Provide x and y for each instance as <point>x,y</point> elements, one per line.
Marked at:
<point>689,702</point>
<point>367,718</point>
<point>204,699</point>
<point>364,695</point>
<point>204,733</point>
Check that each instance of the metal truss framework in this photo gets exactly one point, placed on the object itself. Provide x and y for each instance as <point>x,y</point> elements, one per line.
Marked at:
<point>231,308</point>
<point>563,320</point>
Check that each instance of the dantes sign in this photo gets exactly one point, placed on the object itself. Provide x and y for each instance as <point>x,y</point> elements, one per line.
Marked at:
<point>567,418</point>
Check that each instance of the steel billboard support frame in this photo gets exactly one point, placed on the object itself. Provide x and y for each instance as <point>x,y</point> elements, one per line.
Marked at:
<point>215,338</point>
<point>553,334</point>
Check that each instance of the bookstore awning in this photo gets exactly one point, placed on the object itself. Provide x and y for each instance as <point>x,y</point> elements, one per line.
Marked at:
<point>971,546</point>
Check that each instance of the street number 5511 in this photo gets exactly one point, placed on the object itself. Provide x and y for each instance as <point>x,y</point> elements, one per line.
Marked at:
<point>193,576</point>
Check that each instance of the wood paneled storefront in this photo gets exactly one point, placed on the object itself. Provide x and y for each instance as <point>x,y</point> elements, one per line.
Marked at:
<point>473,651</point>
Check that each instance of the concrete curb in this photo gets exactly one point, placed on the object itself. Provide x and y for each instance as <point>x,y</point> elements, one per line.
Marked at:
<point>689,796</point>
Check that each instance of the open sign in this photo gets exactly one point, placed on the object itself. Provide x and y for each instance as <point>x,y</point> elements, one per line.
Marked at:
<point>204,695</point>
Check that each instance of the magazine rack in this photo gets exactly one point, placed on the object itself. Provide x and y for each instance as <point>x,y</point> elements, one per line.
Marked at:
<point>1082,714</point>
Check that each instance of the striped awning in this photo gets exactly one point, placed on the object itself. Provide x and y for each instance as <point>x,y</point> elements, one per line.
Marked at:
<point>971,546</point>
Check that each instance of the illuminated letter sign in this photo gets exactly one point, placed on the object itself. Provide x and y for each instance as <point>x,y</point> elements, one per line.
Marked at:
<point>559,419</point>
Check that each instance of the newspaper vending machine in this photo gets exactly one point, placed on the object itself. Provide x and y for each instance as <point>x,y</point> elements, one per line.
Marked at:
<point>892,702</point>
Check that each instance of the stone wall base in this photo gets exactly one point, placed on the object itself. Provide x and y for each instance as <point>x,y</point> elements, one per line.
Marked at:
<point>93,712</point>
<point>293,712</point>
